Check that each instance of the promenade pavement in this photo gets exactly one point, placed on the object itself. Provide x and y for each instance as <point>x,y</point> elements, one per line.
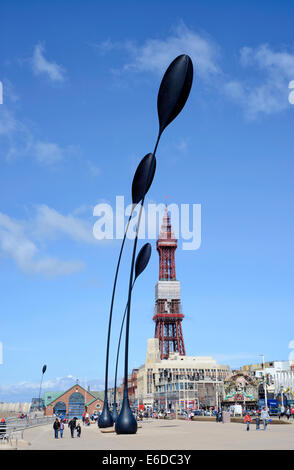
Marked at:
<point>159,434</point>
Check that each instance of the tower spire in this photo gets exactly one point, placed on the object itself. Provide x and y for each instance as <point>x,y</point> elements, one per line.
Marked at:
<point>168,317</point>
<point>166,247</point>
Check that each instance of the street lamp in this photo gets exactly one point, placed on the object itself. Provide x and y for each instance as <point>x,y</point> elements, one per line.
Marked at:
<point>264,381</point>
<point>43,372</point>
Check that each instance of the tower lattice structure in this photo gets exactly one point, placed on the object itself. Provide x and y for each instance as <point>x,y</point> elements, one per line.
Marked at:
<point>168,316</point>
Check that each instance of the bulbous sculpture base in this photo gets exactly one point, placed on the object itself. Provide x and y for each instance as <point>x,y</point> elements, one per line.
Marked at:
<point>105,420</point>
<point>114,413</point>
<point>126,423</point>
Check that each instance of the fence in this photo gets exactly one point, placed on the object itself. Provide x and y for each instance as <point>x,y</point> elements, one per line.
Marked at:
<point>13,429</point>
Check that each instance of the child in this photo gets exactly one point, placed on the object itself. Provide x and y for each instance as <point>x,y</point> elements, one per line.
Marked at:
<point>61,428</point>
<point>78,428</point>
<point>247,420</point>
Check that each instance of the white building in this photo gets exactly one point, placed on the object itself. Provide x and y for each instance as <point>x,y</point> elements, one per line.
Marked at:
<point>279,377</point>
<point>179,381</point>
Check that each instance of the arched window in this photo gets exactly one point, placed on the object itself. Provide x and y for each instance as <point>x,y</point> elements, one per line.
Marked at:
<point>76,405</point>
<point>60,408</point>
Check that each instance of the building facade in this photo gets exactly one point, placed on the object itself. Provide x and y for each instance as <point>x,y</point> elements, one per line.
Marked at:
<point>73,402</point>
<point>277,377</point>
<point>179,382</point>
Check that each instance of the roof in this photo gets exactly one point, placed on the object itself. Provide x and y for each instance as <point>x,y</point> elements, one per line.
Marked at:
<point>50,397</point>
<point>98,395</point>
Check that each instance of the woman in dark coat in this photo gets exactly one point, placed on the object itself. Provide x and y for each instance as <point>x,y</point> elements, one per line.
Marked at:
<point>56,427</point>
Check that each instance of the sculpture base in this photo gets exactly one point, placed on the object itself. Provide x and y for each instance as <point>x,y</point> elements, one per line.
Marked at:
<point>126,423</point>
<point>105,419</point>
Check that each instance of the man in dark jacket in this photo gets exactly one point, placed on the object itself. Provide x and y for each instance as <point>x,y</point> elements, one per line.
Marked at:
<point>56,427</point>
<point>72,426</point>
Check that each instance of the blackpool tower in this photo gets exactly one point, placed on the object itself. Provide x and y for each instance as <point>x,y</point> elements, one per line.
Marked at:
<point>168,317</point>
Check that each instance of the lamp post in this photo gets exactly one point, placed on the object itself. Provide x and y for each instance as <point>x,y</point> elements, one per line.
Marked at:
<point>282,397</point>
<point>43,372</point>
<point>216,390</point>
<point>264,381</point>
<point>197,395</point>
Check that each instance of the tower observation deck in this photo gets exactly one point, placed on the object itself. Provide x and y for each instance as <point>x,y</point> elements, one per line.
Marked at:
<point>168,313</point>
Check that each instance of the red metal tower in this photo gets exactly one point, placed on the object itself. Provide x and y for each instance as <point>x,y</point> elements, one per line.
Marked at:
<point>168,317</point>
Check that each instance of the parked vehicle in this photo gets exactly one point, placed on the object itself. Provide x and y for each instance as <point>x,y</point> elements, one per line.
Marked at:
<point>273,411</point>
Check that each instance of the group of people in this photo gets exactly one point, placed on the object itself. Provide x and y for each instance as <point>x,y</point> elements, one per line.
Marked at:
<point>86,419</point>
<point>288,412</point>
<point>58,427</point>
<point>262,415</point>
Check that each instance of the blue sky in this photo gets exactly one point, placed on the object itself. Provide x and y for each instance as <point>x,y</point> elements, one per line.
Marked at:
<point>79,112</point>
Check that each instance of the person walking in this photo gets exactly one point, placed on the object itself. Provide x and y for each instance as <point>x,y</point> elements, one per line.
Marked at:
<point>247,420</point>
<point>2,428</point>
<point>264,416</point>
<point>79,430</point>
<point>56,427</point>
<point>61,428</point>
<point>257,421</point>
<point>72,426</point>
<point>288,412</point>
<point>292,412</point>
<point>220,416</point>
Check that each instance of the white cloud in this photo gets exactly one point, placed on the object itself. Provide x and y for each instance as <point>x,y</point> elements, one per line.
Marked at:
<point>17,140</point>
<point>94,170</point>
<point>16,244</point>
<point>48,223</point>
<point>267,92</point>
<point>21,240</point>
<point>55,72</point>
<point>265,58</point>
<point>8,123</point>
<point>154,55</point>
<point>47,152</point>
<point>26,390</point>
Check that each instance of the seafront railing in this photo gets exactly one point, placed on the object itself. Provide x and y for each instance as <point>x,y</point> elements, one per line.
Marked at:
<point>13,429</point>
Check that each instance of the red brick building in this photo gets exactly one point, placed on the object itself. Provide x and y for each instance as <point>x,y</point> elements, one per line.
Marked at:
<point>132,386</point>
<point>74,402</point>
<point>132,390</point>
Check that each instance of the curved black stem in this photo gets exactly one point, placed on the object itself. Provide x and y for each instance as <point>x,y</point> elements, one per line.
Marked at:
<point>118,350</point>
<point>131,280</point>
<point>111,310</point>
<point>127,427</point>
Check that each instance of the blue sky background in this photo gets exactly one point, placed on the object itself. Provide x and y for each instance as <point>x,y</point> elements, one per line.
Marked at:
<point>80,86</point>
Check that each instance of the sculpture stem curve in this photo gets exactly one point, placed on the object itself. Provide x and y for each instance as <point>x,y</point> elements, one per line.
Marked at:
<point>105,413</point>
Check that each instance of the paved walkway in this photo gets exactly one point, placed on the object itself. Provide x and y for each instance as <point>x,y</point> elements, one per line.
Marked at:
<point>158,434</point>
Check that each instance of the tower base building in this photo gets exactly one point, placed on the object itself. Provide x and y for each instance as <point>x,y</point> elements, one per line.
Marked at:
<point>179,382</point>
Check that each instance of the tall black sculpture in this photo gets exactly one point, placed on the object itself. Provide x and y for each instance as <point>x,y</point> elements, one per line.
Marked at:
<point>172,96</point>
<point>141,183</point>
